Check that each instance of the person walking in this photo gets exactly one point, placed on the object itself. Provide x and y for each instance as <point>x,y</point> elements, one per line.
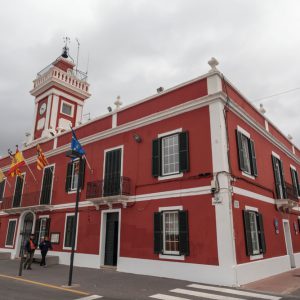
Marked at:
<point>44,246</point>
<point>30,247</point>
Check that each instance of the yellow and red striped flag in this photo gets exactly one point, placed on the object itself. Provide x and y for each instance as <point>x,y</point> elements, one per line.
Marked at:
<point>41,162</point>
<point>17,161</point>
<point>2,176</point>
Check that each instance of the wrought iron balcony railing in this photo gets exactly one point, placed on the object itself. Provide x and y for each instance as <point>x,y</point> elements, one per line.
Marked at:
<point>110,186</point>
<point>291,192</point>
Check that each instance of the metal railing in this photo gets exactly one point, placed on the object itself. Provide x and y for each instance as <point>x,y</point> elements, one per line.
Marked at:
<point>291,192</point>
<point>110,186</point>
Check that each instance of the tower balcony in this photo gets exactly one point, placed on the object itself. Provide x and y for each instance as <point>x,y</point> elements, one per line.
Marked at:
<point>109,191</point>
<point>52,75</point>
<point>35,201</point>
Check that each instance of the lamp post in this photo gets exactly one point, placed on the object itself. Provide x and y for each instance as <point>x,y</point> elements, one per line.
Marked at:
<point>74,154</point>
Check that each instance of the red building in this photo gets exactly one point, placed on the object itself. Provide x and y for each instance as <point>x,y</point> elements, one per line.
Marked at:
<point>192,183</point>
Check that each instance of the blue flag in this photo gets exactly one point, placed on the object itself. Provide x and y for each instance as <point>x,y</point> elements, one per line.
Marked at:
<point>75,145</point>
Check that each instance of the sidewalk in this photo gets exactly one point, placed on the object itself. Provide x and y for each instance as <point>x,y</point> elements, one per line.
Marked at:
<point>287,283</point>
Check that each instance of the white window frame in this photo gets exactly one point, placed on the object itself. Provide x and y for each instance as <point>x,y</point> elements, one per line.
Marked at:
<point>167,254</point>
<point>122,157</point>
<point>66,217</point>
<point>74,189</point>
<point>53,172</point>
<point>248,136</point>
<point>69,104</point>
<point>259,255</point>
<point>43,217</point>
<point>161,136</point>
<point>24,177</point>
<point>294,168</point>
<point>11,220</point>
<point>281,181</point>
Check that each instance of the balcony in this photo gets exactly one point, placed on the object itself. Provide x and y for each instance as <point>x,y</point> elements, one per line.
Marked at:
<point>27,201</point>
<point>111,190</point>
<point>290,200</point>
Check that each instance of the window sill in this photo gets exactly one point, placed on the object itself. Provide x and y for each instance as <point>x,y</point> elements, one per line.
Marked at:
<point>8,246</point>
<point>69,248</point>
<point>73,191</point>
<point>257,256</point>
<point>171,257</point>
<point>248,175</point>
<point>165,177</point>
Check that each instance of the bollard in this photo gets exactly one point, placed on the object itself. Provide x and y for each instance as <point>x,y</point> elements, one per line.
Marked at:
<point>21,265</point>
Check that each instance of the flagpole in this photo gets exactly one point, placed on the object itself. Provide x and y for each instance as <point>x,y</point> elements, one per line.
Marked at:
<point>87,162</point>
<point>30,170</point>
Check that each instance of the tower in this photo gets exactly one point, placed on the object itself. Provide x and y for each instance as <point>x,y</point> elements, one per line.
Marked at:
<point>60,91</point>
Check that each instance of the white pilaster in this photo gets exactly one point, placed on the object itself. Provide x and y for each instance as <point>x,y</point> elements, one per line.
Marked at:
<point>223,207</point>
<point>214,83</point>
<point>78,115</point>
<point>53,118</point>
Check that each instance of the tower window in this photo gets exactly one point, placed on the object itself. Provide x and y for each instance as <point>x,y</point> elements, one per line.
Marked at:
<point>67,109</point>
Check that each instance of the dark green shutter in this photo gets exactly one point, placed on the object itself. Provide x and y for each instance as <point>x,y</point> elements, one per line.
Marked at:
<point>253,158</point>
<point>282,180</point>
<point>69,231</point>
<point>2,185</point>
<point>10,233</point>
<point>37,230</point>
<point>158,232</point>
<point>184,248</point>
<point>48,227</point>
<point>297,182</point>
<point>261,233</point>
<point>240,151</point>
<point>248,239</point>
<point>184,152</point>
<point>18,191</point>
<point>156,158</point>
<point>47,185</point>
<point>82,174</point>
<point>276,177</point>
<point>69,176</point>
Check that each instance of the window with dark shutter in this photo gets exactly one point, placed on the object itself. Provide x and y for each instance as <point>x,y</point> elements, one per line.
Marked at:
<point>170,154</point>
<point>261,233</point>
<point>47,185</point>
<point>37,230</point>
<point>247,229</point>
<point>240,151</point>
<point>279,178</point>
<point>295,181</point>
<point>158,232</point>
<point>253,158</point>
<point>18,191</point>
<point>69,176</point>
<point>82,174</point>
<point>10,233</point>
<point>2,187</point>
<point>69,231</point>
<point>184,248</point>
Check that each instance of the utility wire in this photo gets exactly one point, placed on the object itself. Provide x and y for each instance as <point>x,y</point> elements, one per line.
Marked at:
<point>274,95</point>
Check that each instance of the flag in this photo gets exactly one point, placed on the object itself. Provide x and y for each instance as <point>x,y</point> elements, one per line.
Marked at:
<point>75,145</point>
<point>17,161</point>
<point>41,161</point>
<point>2,176</point>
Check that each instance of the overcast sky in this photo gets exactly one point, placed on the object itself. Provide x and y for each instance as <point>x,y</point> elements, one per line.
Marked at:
<point>135,46</point>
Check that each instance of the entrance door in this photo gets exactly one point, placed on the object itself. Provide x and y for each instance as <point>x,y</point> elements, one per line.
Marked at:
<point>112,237</point>
<point>26,231</point>
<point>288,242</point>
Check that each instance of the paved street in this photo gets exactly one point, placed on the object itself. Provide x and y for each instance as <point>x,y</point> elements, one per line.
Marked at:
<point>92,284</point>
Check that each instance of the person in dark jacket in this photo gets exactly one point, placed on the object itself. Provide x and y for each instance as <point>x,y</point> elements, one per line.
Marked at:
<point>44,246</point>
<point>30,247</point>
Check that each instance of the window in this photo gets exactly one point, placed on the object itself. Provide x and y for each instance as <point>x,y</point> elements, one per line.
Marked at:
<point>170,155</point>
<point>69,231</point>
<point>73,172</point>
<point>10,233</point>
<point>18,190</point>
<point>171,232</point>
<point>67,109</point>
<point>295,181</point>
<point>47,185</point>
<point>279,178</point>
<point>2,188</point>
<point>254,233</point>
<point>246,152</point>
<point>42,228</point>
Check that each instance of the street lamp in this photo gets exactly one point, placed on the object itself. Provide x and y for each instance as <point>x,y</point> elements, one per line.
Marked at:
<point>74,154</point>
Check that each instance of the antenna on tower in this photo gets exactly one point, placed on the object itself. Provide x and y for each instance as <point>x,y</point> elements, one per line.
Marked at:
<point>88,63</point>
<point>78,46</point>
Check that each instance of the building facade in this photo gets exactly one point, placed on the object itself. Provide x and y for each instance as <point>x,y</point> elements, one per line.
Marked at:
<point>192,183</point>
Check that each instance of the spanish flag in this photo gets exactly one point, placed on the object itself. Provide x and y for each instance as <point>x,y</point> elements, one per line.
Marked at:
<point>41,162</point>
<point>17,161</point>
<point>2,176</point>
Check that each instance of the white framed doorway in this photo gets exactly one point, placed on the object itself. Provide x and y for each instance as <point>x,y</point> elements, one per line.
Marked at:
<point>288,242</point>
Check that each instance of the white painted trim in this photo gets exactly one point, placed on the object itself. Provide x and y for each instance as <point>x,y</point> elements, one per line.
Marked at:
<point>248,175</point>
<point>114,120</point>
<point>243,192</point>
<point>256,257</point>
<point>267,125</point>
<point>168,208</point>
<point>49,104</point>
<point>11,220</point>
<point>243,131</point>
<point>171,257</point>
<point>293,167</point>
<point>79,115</point>
<point>275,155</point>
<point>214,84</point>
<point>172,176</point>
<point>42,181</point>
<point>251,208</point>
<point>68,104</point>
<point>103,234</point>
<point>178,130</point>
<point>54,111</point>
<point>66,216</point>
<point>292,259</point>
<point>44,217</point>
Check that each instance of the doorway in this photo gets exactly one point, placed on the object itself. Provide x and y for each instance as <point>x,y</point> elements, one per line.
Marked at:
<point>111,239</point>
<point>288,242</point>
<point>26,231</point>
